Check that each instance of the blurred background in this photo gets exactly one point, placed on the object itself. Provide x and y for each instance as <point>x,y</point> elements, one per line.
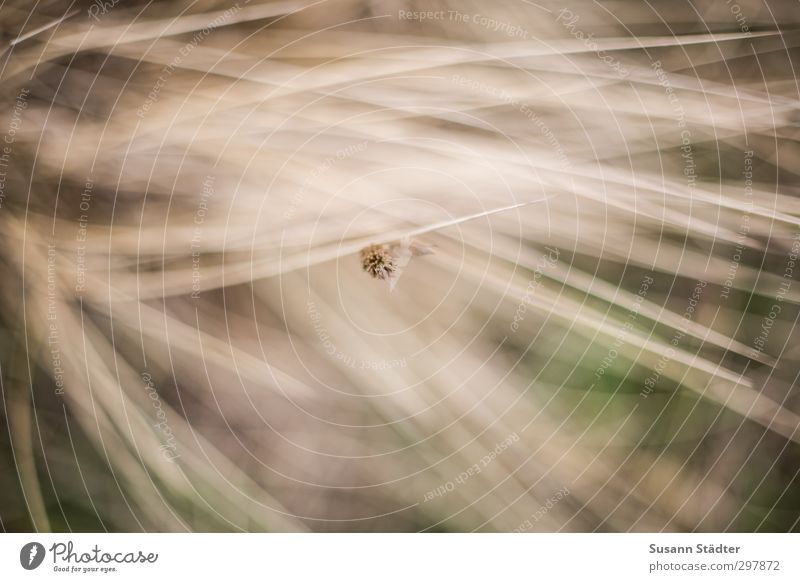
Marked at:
<point>188,340</point>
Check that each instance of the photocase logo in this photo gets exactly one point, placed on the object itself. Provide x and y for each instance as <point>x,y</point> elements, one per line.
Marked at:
<point>31,555</point>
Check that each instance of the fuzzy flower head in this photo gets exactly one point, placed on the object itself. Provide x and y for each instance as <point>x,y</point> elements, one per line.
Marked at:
<point>378,261</point>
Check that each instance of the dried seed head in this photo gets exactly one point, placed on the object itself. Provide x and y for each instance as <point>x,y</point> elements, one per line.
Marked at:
<point>378,261</point>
